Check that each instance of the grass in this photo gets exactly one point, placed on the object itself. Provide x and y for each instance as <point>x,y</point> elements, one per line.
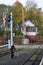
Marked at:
<point>33,57</point>
<point>23,49</point>
<point>1,61</point>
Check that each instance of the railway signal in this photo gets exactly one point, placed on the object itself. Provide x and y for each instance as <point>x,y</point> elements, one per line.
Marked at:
<point>9,18</point>
<point>10,41</point>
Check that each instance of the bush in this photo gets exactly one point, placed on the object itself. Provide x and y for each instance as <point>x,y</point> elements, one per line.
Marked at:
<point>20,35</point>
<point>2,33</point>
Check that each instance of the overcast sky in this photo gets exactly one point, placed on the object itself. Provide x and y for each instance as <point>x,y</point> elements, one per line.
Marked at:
<point>10,2</point>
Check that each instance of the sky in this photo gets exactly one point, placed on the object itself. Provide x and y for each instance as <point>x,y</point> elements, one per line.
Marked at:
<point>11,2</point>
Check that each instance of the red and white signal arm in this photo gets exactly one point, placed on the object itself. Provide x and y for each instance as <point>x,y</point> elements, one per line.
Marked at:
<point>4,19</point>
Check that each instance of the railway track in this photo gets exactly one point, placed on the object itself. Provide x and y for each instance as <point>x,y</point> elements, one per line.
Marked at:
<point>30,57</point>
<point>4,50</point>
<point>34,59</point>
<point>4,53</point>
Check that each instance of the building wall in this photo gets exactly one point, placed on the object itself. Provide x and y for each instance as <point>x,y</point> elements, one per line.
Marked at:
<point>2,41</point>
<point>31,33</point>
<point>32,38</point>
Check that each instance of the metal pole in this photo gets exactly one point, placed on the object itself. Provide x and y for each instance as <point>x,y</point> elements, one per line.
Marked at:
<point>11,29</point>
<point>12,46</point>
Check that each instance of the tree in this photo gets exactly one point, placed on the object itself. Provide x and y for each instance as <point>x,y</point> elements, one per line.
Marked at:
<point>17,12</point>
<point>35,15</point>
<point>17,16</point>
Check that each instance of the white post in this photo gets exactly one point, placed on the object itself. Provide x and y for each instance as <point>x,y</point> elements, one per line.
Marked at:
<point>11,30</point>
<point>41,62</point>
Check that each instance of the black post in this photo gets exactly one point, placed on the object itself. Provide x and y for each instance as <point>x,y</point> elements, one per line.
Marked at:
<point>12,52</point>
